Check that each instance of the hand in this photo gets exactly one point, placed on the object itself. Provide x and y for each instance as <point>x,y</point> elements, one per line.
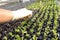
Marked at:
<point>21,13</point>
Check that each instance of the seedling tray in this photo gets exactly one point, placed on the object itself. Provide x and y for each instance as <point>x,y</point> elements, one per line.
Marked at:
<point>43,25</point>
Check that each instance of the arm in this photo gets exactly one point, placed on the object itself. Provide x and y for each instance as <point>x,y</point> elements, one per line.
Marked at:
<point>6,15</point>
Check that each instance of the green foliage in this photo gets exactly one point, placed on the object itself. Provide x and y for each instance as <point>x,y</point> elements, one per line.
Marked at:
<point>17,37</point>
<point>42,25</point>
<point>5,38</point>
<point>17,30</point>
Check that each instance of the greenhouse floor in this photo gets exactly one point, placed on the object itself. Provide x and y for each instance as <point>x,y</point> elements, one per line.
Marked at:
<point>15,6</point>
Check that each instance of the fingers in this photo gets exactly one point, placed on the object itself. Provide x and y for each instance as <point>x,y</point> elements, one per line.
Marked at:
<point>30,14</point>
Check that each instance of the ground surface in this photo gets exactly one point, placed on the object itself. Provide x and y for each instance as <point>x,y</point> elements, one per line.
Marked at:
<point>16,5</point>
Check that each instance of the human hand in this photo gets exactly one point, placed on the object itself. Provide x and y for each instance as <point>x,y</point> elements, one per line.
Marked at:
<point>21,13</point>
